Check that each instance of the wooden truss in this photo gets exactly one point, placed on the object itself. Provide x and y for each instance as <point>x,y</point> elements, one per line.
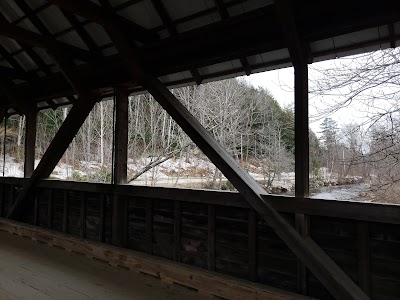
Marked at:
<point>139,69</point>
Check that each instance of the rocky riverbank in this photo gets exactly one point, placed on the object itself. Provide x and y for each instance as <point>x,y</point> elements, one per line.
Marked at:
<point>316,183</point>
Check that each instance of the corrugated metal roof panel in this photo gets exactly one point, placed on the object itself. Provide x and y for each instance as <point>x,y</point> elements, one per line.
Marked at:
<point>43,55</point>
<point>143,14</point>
<point>247,6</point>
<point>54,19</point>
<point>61,101</point>
<point>172,77</point>
<point>109,51</point>
<point>9,44</point>
<point>198,22</point>
<point>73,39</point>
<point>41,104</point>
<point>117,2</point>
<point>356,37</point>
<point>176,10</point>
<point>322,45</point>
<point>27,24</point>
<point>25,62</point>
<point>4,63</point>
<point>216,68</point>
<point>275,55</point>
<point>10,10</point>
<point>98,34</point>
<point>35,3</point>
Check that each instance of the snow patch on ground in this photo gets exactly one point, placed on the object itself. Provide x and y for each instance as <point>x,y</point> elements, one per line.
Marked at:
<point>11,168</point>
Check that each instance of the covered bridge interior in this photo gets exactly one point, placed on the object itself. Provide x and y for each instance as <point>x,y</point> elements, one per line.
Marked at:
<point>57,53</point>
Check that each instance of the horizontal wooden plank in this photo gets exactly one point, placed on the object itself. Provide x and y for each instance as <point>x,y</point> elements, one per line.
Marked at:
<point>373,212</point>
<point>202,280</point>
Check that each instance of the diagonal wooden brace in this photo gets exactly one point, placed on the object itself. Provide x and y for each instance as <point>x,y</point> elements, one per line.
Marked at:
<point>320,264</point>
<point>63,138</point>
<point>334,279</point>
<point>55,151</point>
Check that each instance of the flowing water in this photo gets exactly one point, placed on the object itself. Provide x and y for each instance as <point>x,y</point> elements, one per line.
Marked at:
<point>341,192</point>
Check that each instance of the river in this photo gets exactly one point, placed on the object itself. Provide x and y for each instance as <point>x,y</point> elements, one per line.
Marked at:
<point>339,192</point>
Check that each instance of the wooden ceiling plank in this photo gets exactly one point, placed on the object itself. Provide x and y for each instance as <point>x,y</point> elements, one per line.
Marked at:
<point>37,40</point>
<point>85,36</point>
<point>98,14</point>
<point>164,16</point>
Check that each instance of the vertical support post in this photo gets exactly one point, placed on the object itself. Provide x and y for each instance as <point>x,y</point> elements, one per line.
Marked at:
<point>149,225</point>
<point>120,163</point>
<point>301,158</point>
<point>36,215</point>
<point>30,143</point>
<point>121,136</point>
<point>50,210</point>
<point>102,216</point>
<point>364,264</point>
<point>65,212</point>
<point>177,230</point>
<point>83,214</point>
<point>252,244</point>
<point>2,199</point>
<point>211,237</point>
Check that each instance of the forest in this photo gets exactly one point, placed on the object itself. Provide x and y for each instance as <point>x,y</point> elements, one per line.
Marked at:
<point>247,121</point>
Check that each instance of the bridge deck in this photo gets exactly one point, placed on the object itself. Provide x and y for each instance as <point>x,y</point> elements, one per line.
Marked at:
<point>31,270</point>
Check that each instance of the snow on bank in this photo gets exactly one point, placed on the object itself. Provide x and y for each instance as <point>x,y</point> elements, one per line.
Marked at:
<point>11,168</point>
<point>172,172</point>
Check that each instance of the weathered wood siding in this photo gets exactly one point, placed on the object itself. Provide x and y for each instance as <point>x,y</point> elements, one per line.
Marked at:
<point>220,232</point>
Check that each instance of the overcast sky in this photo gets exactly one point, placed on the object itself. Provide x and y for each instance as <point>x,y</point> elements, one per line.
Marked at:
<point>280,83</point>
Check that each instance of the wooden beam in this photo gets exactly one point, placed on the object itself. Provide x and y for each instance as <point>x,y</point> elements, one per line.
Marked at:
<point>66,212</point>
<point>164,16</point>
<point>37,40</point>
<point>30,143</point>
<point>83,213</point>
<point>252,244</point>
<point>6,72</point>
<point>61,141</point>
<point>120,164</point>
<point>50,208</point>
<point>334,279</point>
<point>392,35</point>
<point>98,14</point>
<point>56,149</point>
<point>11,60</point>
<point>349,210</point>
<point>85,36</point>
<point>299,54</point>
<point>149,226</point>
<point>364,257</point>
<point>246,65</point>
<point>211,237</point>
<point>177,230</point>
<point>121,136</point>
<point>295,44</point>
<point>33,17</point>
<point>223,12</point>
<point>196,75</point>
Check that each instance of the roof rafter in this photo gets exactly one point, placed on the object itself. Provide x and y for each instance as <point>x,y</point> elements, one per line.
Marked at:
<point>37,40</point>
<point>98,14</point>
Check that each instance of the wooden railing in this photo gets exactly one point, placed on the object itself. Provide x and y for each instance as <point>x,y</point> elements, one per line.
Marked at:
<point>218,231</point>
